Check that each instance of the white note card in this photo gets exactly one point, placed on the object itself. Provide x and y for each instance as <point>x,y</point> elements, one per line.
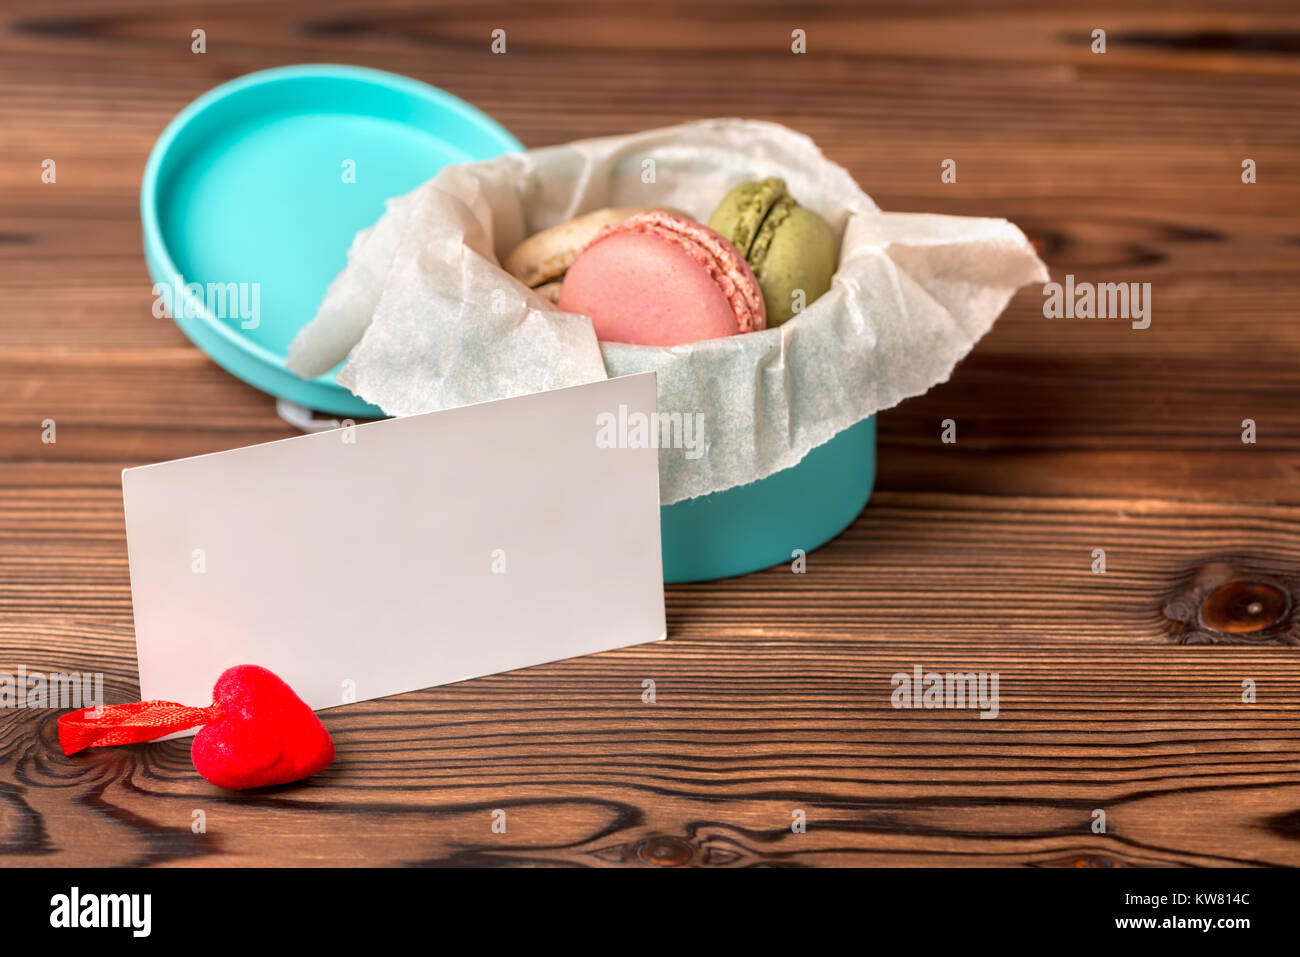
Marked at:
<point>401,554</point>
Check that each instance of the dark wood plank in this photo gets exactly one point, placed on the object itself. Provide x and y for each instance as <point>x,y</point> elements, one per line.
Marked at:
<point>773,694</point>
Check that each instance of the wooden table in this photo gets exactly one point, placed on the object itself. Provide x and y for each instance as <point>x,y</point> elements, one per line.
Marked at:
<point>773,692</point>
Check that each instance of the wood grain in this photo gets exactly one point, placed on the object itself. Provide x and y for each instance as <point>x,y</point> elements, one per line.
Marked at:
<point>773,692</point>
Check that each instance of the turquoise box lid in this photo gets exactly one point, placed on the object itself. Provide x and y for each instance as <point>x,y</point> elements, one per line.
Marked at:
<point>253,193</point>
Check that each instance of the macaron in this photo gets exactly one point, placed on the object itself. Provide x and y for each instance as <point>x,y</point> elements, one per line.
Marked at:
<point>658,279</point>
<point>544,257</point>
<point>789,248</point>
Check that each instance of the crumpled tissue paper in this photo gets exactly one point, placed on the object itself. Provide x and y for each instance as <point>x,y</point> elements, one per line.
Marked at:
<point>427,319</point>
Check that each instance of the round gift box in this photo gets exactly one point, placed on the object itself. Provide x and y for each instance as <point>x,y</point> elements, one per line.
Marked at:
<point>245,185</point>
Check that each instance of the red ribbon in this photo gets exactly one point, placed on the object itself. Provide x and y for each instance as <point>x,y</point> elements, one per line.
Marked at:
<point>129,723</point>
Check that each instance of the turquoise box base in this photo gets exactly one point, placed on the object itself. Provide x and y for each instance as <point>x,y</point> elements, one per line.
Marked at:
<point>762,524</point>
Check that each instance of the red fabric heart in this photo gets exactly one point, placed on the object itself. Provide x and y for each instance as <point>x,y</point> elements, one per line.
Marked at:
<point>257,731</point>
<point>266,734</point>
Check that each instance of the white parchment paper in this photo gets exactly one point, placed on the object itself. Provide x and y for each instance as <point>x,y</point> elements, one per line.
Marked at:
<point>428,320</point>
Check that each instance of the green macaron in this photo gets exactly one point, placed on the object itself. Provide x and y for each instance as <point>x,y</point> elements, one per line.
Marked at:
<point>791,249</point>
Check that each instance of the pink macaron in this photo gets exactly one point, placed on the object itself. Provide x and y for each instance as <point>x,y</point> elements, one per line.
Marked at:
<point>662,280</point>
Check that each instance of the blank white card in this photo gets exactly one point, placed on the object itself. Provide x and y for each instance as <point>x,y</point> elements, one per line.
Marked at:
<point>397,555</point>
